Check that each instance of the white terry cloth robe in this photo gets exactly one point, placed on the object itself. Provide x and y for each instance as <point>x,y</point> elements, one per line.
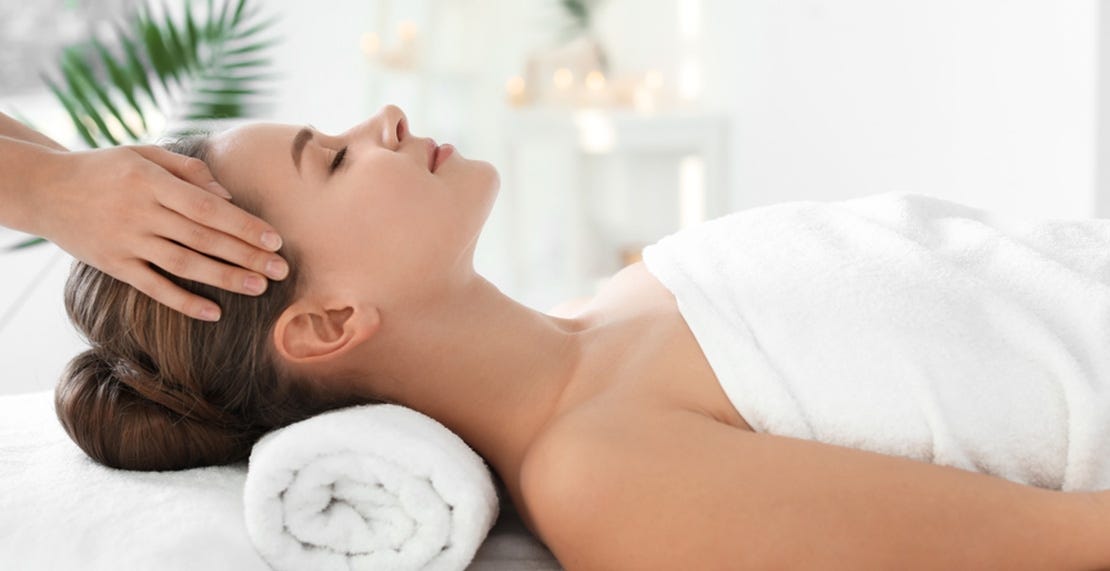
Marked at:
<point>911,326</point>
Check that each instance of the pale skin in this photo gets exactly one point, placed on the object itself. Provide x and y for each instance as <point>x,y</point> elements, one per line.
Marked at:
<point>123,208</point>
<point>609,475</point>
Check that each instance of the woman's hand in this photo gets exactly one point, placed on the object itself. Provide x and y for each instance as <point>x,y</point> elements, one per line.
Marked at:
<point>123,208</point>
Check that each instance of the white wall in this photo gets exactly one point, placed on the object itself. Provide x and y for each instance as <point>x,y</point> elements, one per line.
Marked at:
<point>1102,145</point>
<point>991,102</point>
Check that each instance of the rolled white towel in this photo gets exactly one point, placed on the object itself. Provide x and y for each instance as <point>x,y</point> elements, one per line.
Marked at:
<point>376,486</point>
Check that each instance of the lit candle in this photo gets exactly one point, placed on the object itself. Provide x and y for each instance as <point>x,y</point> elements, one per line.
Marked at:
<point>404,54</point>
<point>595,88</point>
<point>595,81</point>
<point>370,44</point>
<point>406,31</point>
<point>516,92</point>
<point>563,79</point>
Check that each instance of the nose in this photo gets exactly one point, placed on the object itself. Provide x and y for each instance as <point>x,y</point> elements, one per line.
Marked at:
<point>389,125</point>
<point>394,125</point>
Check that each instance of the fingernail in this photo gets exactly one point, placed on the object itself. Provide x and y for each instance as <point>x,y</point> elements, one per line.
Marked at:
<point>254,284</point>
<point>271,240</point>
<point>220,190</point>
<point>277,269</point>
<point>209,314</point>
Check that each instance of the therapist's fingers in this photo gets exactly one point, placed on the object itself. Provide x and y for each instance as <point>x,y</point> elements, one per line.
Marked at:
<point>190,169</point>
<point>162,290</point>
<point>211,211</point>
<point>186,263</point>
<point>230,276</point>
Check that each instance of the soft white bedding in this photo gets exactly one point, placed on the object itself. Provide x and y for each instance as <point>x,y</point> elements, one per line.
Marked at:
<point>61,510</point>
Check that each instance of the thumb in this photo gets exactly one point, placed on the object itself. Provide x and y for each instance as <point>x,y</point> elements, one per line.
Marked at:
<point>189,169</point>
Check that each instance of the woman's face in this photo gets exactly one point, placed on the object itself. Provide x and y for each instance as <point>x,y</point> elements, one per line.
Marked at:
<point>367,204</point>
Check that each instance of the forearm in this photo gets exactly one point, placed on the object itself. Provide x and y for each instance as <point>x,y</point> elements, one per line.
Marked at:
<point>15,130</point>
<point>28,172</point>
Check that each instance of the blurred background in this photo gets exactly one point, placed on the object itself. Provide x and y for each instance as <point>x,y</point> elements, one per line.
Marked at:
<point>616,122</point>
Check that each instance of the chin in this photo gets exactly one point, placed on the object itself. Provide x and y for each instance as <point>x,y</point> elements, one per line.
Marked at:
<point>485,176</point>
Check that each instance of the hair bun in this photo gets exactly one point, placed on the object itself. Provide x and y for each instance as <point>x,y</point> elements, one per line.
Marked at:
<point>121,417</point>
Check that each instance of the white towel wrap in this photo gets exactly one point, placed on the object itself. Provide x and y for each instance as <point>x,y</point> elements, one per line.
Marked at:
<point>909,325</point>
<point>368,487</point>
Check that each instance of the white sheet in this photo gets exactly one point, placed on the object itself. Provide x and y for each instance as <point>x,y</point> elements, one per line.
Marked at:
<point>61,510</point>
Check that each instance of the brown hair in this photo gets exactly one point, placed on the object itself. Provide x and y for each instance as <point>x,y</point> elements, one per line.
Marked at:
<point>162,391</point>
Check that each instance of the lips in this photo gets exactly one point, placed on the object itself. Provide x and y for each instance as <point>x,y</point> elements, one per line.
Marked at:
<point>438,154</point>
<point>443,152</point>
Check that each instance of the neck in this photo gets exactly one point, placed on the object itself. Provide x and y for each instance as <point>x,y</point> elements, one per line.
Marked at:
<point>490,369</point>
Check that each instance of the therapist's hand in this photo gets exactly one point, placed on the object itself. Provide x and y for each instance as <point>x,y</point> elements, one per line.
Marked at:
<point>123,208</point>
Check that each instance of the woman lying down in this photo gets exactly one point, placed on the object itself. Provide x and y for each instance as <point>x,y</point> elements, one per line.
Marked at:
<point>894,381</point>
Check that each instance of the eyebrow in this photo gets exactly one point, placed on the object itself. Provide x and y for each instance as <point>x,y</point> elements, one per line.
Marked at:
<point>299,141</point>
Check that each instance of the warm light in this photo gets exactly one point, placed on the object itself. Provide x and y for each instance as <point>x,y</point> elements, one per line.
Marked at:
<point>563,78</point>
<point>689,19</point>
<point>406,31</point>
<point>691,191</point>
<point>596,133</point>
<point>643,99</point>
<point>689,67</point>
<point>653,79</point>
<point>515,86</point>
<point>595,81</point>
<point>689,79</point>
<point>370,44</point>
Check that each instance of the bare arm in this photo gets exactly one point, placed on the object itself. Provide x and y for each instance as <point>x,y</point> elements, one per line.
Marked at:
<point>697,494</point>
<point>15,130</point>
<point>24,165</point>
<point>23,154</point>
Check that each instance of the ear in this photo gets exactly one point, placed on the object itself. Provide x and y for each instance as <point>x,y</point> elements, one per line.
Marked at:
<point>306,333</point>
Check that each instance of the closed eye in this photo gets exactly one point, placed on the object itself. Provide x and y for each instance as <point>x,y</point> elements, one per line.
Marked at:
<point>338,160</point>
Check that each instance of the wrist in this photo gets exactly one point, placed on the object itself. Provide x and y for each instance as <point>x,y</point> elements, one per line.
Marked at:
<point>47,173</point>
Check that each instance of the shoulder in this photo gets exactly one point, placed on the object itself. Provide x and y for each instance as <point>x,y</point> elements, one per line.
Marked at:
<point>566,451</point>
<point>562,471</point>
<point>612,490</point>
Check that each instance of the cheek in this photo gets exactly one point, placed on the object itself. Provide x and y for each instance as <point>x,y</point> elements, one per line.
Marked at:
<point>396,204</point>
<point>388,174</point>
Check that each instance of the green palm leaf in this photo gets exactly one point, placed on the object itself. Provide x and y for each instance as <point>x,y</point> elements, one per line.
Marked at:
<point>23,244</point>
<point>190,69</point>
